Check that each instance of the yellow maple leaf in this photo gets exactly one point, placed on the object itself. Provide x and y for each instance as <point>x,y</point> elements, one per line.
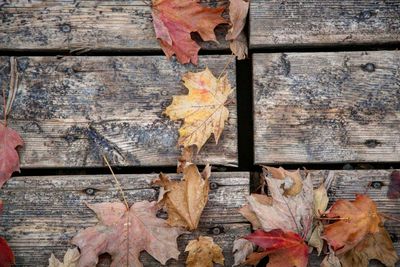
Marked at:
<point>202,109</point>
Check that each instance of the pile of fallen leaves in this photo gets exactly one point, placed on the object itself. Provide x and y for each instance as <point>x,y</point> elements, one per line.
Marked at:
<point>294,218</point>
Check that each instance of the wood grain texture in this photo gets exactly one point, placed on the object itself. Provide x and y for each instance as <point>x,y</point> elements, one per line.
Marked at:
<point>42,214</point>
<point>312,22</point>
<point>71,110</point>
<point>70,25</point>
<point>327,107</point>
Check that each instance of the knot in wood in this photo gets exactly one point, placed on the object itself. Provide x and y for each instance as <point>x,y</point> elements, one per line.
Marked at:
<point>213,185</point>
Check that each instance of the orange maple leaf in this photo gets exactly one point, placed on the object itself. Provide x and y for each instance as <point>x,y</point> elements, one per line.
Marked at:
<point>356,219</point>
<point>175,20</point>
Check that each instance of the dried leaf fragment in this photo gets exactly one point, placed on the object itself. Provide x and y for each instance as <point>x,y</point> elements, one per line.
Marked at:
<point>202,110</point>
<point>203,252</point>
<point>377,246</point>
<point>185,199</point>
<point>293,183</point>
<point>357,219</point>
<point>125,233</point>
<point>6,255</point>
<point>242,248</point>
<point>9,159</point>
<point>71,259</point>
<point>238,10</point>
<point>285,249</point>
<point>394,186</point>
<point>175,20</point>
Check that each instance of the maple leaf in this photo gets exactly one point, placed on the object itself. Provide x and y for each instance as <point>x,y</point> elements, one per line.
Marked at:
<point>289,213</point>
<point>9,159</point>
<point>125,233</point>
<point>202,110</point>
<point>356,219</point>
<point>6,255</point>
<point>71,259</point>
<point>394,186</point>
<point>185,199</point>
<point>203,252</point>
<point>238,10</point>
<point>285,249</point>
<point>377,246</point>
<point>175,20</point>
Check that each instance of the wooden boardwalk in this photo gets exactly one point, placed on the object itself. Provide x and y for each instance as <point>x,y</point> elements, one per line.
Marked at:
<point>335,106</point>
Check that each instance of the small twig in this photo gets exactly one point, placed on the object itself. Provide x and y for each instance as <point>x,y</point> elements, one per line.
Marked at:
<point>226,66</point>
<point>5,103</point>
<point>117,182</point>
<point>333,219</point>
<point>389,217</point>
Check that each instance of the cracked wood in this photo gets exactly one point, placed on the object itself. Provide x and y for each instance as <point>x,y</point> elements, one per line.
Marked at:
<point>291,23</point>
<point>71,110</point>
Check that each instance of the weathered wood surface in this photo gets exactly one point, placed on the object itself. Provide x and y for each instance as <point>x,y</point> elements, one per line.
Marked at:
<point>71,110</point>
<point>374,183</point>
<point>312,23</point>
<point>327,107</point>
<point>70,25</point>
<point>42,214</point>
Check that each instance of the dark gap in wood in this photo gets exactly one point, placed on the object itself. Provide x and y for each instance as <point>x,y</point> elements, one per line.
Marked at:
<point>298,48</point>
<point>244,83</point>
<point>127,52</point>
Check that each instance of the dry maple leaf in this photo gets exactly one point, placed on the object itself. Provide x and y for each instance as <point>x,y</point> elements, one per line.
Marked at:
<point>202,110</point>
<point>71,259</point>
<point>203,252</point>
<point>289,213</point>
<point>285,249</point>
<point>175,20</point>
<point>238,10</point>
<point>125,233</point>
<point>377,246</point>
<point>6,255</point>
<point>394,186</point>
<point>9,159</point>
<point>185,199</point>
<point>354,220</point>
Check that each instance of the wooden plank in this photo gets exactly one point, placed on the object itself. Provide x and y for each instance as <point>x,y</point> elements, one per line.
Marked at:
<point>290,23</point>
<point>70,25</point>
<point>345,184</point>
<point>71,110</point>
<point>327,107</point>
<point>42,214</point>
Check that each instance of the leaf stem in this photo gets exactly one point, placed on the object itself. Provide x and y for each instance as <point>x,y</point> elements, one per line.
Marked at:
<point>117,182</point>
<point>226,65</point>
<point>389,217</point>
<point>332,219</point>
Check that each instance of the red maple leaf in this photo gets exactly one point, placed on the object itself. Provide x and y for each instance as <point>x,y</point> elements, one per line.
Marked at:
<point>175,20</point>
<point>9,159</point>
<point>285,249</point>
<point>6,255</point>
